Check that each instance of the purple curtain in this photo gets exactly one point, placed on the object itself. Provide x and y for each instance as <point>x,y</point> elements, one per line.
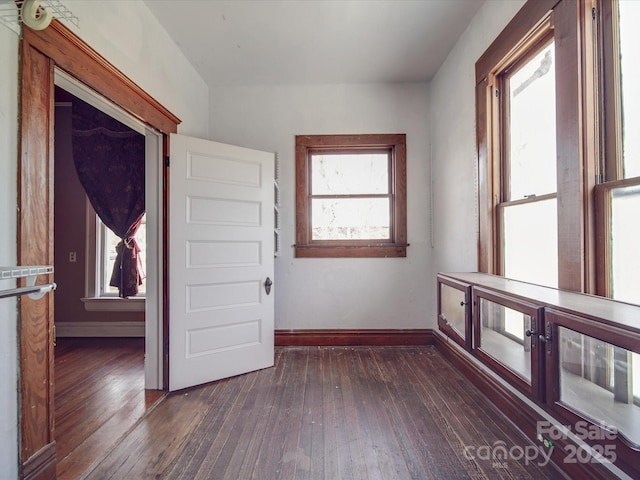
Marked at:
<point>109,160</point>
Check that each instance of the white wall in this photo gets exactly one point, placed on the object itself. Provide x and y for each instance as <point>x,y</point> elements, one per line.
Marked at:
<point>126,33</point>
<point>325,292</point>
<point>8,204</point>
<point>455,169</point>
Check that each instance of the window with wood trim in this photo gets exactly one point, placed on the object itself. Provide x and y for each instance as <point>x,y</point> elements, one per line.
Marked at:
<point>351,195</point>
<point>525,97</point>
<point>520,124</point>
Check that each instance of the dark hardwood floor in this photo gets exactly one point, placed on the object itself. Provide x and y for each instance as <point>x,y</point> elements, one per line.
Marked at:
<point>99,396</point>
<point>330,413</point>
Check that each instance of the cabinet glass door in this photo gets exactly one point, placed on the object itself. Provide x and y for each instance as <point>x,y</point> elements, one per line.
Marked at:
<point>592,379</point>
<point>507,338</point>
<point>453,312</point>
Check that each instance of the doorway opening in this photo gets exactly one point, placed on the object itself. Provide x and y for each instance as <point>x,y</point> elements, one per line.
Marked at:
<point>107,360</point>
<point>150,324</point>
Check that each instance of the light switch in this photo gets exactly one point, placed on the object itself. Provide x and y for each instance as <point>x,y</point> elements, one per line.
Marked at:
<point>72,256</point>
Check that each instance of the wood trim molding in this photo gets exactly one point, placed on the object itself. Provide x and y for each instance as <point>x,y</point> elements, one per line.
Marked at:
<point>570,152</point>
<point>528,17</point>
<point>523,415</point>
<point>35,247</point>
<point>79,60</point>
<point>344,337</point>
<point>41,465</point>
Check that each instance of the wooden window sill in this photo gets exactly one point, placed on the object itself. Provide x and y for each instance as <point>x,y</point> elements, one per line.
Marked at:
<point>355,251</point>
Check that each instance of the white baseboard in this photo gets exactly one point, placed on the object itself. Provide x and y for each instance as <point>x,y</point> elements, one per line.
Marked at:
<point>100,329</point>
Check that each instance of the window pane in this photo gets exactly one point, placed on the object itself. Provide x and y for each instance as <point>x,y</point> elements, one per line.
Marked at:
<point>596,379</point>
<point>532,127</point>
<point>530,236</point>
<point>353,174</point>
<point>625,254</point>
<point>350,218</point>
<point>497,323</point>
<point>630,72</point>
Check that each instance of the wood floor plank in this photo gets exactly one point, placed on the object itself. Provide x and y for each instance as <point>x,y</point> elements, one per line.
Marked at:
<point>362,459</point>
<point>418,435</point>
<point>459,430</point>
<point>324,413</point>
<point>312,429</point>
<point>99,397</point>
<point>282,454</point>
<point>388,447</point>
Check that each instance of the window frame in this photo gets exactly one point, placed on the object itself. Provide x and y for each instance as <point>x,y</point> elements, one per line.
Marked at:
<point>396,245</point>
<point>539,39</point>
<point>577,140</point>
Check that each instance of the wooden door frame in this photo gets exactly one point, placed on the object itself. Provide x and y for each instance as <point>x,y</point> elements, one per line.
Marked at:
<point>41,52</point>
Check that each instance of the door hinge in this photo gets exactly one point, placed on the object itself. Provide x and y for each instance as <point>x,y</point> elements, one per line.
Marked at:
<point>593,13</point>
<point>547,339</point>
<point>497,93</point>
<point>166,161</point>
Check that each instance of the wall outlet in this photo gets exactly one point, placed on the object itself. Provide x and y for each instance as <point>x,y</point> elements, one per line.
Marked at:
<point>72,256</point>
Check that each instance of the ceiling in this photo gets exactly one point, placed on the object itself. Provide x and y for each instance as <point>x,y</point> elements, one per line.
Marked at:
<point>285,42</point>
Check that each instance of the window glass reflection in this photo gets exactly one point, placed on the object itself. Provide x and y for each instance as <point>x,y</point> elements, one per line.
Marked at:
<point>599,380</point>
<point>502,336</point>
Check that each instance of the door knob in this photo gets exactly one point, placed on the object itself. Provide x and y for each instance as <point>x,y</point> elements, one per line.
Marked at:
<point>267,285</point>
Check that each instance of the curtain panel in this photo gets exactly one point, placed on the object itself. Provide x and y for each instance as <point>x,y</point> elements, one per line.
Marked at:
<point>109,160</point>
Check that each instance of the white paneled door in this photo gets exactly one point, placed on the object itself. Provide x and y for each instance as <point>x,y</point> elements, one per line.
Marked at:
<point>221,245</point>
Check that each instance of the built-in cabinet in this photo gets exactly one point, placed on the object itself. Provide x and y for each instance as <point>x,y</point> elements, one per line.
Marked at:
<point>577,356</point>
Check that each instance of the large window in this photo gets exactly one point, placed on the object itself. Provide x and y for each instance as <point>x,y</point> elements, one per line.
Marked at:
<point>517,135</point>
<point>351,196</point>
<point>539,135</point>
<point>525,91</point>
<point>559,153</point>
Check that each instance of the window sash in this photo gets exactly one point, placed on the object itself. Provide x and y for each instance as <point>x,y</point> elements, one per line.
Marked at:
<point>351,206</point>
<point>575,103</point>
<point>507,132</point>
<point>353,157</point>
<point>538,235</point>
<point>509,262</point>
